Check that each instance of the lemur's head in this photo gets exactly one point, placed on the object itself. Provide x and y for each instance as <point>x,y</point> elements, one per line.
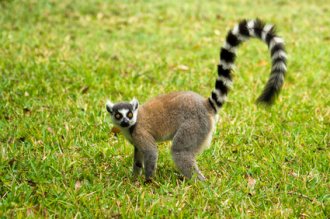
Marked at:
<point>123,114</point>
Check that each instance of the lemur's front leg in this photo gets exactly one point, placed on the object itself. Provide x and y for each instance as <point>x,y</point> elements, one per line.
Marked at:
<point>146,145</point>
<point>150,162</point>
<point>138,162</point>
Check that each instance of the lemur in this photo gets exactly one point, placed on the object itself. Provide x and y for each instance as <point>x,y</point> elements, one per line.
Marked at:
<point>187,118</point>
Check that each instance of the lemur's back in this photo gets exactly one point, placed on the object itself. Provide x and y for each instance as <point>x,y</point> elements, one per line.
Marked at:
<point>166,113</point>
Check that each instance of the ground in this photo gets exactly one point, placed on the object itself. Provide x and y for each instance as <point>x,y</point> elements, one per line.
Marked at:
<point>61,60</point>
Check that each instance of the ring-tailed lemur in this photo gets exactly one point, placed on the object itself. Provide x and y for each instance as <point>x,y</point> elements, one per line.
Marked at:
<point>187,118</point>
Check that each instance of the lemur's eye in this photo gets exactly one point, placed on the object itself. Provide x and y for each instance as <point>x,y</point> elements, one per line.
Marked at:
<point>129,115</point>
<point>117,115</point>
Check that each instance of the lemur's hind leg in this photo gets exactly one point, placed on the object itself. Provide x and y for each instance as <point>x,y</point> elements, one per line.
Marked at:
<point>187,143</point>
<point>186,163</point>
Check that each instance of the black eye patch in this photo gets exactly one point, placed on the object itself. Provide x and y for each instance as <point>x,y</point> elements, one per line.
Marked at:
<point>118,116</point>
<point>129,115</point>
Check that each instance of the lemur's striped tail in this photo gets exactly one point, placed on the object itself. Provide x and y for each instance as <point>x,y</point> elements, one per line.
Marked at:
<point>240,33</point>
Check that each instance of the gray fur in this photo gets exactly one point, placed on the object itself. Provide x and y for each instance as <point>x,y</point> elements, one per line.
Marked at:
<point>138,162</point>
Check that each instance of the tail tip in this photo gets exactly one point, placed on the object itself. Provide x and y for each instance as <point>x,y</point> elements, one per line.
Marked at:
<point>268,97</point>
<point>265,101</point>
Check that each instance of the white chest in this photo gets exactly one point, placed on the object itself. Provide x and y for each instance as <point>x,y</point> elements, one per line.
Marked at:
<point>127,134</point>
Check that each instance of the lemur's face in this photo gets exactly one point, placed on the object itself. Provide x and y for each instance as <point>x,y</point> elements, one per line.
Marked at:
<point>123,114</point>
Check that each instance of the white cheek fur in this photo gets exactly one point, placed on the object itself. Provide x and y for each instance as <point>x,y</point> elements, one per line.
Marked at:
<point>133,120</point>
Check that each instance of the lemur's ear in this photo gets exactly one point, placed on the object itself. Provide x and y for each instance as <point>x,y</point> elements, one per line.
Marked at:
<point>135,103</point>
<point>109,106</point>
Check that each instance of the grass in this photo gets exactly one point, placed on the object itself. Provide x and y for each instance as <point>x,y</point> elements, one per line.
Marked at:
<point>60,61</point>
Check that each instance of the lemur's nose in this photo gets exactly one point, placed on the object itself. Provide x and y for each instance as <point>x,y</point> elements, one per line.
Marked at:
<point>124,123</point>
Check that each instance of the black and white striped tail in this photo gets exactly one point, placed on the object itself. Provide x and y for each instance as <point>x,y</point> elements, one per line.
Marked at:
<point>240,33</point>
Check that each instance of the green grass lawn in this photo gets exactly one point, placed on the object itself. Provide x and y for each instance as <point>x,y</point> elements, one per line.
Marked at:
<point>61,60</point>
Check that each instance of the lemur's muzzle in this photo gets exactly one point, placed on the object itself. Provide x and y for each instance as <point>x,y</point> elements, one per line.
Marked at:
<point>124,123</point>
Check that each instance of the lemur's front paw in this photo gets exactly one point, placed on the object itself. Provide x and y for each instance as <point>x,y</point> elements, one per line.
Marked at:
<point>137,169</point>
<point>148,181</point>
<point>136,172</point>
